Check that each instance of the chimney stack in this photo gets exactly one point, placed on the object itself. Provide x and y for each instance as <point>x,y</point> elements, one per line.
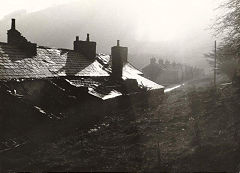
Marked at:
<point>87,48</point>
<point>87,38</point>
<point>15,38</point>
<point>119,58</point>
<point>13,24</point>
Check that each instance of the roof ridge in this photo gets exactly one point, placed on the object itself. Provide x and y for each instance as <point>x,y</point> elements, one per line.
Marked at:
<point>47,47</point>
<point>134,66</point>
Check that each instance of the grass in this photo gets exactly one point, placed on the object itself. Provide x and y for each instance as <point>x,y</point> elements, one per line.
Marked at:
<point>193,129</point>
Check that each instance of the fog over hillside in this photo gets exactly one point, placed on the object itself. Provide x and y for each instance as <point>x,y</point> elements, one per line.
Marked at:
<point>108,21</point>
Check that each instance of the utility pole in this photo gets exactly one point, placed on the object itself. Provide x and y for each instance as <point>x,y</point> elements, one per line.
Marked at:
<point>215,62</point>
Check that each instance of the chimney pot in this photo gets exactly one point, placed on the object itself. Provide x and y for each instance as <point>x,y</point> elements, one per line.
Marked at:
<point>88,39</point>
<point>118,43</point>
<point>77,38</point>
<point>13,24</point>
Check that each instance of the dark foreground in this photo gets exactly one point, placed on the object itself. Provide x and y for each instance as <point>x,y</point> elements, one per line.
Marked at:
<point>194,128</point>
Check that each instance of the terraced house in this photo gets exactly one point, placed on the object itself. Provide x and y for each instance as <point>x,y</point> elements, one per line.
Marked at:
<point>50,81</point>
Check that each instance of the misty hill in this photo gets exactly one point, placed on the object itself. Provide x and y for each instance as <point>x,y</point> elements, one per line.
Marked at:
<point>106,21</point>
<point>57,26</point>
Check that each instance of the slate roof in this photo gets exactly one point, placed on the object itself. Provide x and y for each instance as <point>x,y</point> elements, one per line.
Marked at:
<point>131,72</point>
<point>106,89</point>
<point>49,62</point>
<point>53,62</point>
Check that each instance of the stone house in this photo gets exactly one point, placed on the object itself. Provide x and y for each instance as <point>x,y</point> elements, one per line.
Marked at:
<point>47,78</point>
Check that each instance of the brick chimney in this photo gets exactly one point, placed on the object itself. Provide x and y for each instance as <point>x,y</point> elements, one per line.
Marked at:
<point>15,38</point>
<point>119,58</point>
<point>87,48</point>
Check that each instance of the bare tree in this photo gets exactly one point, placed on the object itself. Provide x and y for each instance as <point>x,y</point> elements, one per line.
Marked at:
<point>227,25</point>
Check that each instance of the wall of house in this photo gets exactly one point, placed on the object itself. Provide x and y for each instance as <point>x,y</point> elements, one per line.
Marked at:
<point>39,109</point>
<point>167,77</point>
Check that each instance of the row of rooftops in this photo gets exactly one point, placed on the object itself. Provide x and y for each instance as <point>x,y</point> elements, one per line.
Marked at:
<point>22,60</point>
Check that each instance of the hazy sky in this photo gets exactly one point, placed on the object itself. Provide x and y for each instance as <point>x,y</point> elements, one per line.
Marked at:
<point>157,20</point>
<point>177,25</point>
<point>9,6</point>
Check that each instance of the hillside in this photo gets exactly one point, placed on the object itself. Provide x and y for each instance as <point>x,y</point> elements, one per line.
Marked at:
<point>193,129</point>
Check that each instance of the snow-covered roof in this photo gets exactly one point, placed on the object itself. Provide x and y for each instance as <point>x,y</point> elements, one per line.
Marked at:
<point>106,88</point>
<point>53,62</point>
<point>49,62</point>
